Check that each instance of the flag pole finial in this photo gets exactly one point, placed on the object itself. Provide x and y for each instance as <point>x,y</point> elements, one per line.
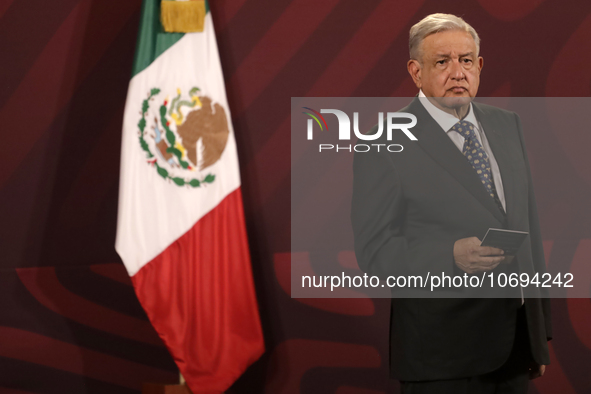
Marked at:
<point>182,16</point>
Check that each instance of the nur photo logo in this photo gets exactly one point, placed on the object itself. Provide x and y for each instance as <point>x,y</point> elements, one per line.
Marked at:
<point>344,130</point>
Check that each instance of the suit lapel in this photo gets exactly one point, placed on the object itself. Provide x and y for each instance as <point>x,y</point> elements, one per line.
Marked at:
<point>498,146</point>
<point>435,142</point>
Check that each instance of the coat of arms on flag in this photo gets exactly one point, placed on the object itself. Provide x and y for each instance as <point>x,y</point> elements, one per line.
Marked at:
<point>182,137</point>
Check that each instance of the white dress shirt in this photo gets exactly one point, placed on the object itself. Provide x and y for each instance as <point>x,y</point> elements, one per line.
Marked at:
<point>447,121</point>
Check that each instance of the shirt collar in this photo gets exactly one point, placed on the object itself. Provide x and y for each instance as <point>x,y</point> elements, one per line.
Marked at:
<point>444,119</point>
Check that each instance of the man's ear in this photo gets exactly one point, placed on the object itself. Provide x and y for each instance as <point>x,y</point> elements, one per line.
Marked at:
<point>480,64</point>
<point>414,69</point>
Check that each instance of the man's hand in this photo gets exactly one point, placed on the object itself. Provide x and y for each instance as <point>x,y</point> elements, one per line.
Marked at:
<point>470,257</point>
<point>535,371</point>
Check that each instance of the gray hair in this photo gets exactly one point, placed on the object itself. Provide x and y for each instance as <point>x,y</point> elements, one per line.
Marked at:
<point>436,23</point>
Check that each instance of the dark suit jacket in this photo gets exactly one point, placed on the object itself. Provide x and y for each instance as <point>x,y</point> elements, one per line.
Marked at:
<point>408,210</point>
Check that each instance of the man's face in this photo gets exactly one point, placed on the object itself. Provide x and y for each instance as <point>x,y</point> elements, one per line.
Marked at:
<point>449,70</point>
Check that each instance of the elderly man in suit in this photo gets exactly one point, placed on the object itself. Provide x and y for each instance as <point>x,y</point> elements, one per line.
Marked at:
<point>427,208</point>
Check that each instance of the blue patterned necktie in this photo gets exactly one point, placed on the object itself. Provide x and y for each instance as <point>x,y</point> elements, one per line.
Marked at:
<point>476,155</point>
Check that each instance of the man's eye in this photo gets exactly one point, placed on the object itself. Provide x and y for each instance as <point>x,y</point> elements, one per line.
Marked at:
<point>441,62</point>
<point>467,60</point>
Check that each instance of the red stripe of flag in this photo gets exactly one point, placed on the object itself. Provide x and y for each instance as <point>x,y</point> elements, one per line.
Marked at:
<point>200,298</point>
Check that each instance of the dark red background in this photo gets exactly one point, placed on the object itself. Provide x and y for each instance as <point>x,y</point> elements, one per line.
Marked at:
<point>69,320</point>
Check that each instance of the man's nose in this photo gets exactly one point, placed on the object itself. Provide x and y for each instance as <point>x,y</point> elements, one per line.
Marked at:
<point>456,71</point>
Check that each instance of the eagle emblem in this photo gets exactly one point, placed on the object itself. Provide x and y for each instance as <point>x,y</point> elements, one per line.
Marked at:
<point>184,137</point>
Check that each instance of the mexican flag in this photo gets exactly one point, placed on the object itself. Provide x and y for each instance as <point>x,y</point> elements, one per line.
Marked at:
<point>180,227</point>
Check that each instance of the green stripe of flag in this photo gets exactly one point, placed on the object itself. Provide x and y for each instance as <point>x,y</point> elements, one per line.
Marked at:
<point>152,40</point>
